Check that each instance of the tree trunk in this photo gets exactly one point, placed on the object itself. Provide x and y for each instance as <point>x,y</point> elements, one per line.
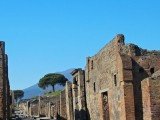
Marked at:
<point>53,88</point>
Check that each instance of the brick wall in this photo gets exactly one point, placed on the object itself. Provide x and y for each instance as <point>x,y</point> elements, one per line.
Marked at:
<point>105,73</point>
<point>142,68</point>
<point>118,69</point>
<point>151,97</point>
<point>2,82</point>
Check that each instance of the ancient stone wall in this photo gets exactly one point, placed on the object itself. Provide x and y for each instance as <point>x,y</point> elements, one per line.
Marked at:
<point>41,107</point>
<point>12,101</point>
<point>105,86</point>
<point>144,63</point>
<point>151,97</point>
<point>120,82</point>
<point>113,78</point>
<point>2,82</point>
<point>124,66</point>
<point>23,106</point>
<point>63,109</point>
<point>69,101</point>
<point>34,108</point>
<point>47,106</point>
<point>79,95</point>
<point>8,97</point>
<point>53,106</point>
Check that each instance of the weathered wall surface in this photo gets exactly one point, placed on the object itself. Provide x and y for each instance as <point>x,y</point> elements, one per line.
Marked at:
<point>4,84</point>
<point>144,65</point>
<point>63,109</point>
<point>118,70</point>
<point>49,106</point>
<point>79,95</point>
<point>105,75</point>
<point>8,97</point>
<point>42,107</point>
<point>121,82</point>
<point>151,97</point>
<point>23,106</point>
<point>69,99</point>
<point>34,108</point>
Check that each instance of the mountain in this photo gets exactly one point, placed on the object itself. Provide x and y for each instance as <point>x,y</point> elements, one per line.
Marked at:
<point>36,91</point>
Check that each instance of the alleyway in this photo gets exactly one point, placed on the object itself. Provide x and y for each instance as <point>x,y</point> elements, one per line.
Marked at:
<point>19,115</point>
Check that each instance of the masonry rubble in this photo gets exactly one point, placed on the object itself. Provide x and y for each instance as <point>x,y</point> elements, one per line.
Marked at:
<point>120,82</point>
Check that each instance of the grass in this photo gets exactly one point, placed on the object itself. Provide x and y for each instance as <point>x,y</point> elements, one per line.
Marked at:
<point>56,93</point>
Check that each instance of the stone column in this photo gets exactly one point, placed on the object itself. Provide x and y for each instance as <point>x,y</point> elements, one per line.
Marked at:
<point>39,106</point>
<point>49,109</point>
<point>69,100</point>
<point>75,100</point>
<point>28,108</point>
<point>63,113</point>
<point>81,94</point>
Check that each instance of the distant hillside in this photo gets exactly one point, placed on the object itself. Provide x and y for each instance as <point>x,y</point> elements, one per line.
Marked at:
<point>36,91</point>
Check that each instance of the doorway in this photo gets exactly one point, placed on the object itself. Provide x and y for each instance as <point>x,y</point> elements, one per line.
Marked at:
<point>105,106</point>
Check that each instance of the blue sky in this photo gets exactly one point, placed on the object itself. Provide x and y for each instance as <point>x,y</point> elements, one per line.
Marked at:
<point>44,36</point>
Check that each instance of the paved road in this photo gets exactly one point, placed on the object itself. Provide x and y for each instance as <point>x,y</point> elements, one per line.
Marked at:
<point>19,115</point>
<point>21,118</point>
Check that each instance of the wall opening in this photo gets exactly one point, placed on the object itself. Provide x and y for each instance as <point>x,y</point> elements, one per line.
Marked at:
<point>75,81</point>
<point>92,65</point>
<point>115,80</point>
<point>94,87</point>
<point>105,106</point>
<point>152,70</point>
<point>141,70</point>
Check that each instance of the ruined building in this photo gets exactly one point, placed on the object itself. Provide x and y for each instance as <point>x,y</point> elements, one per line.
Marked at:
<point>120,82</point>
<point>4,85</point>
<point>117,79</point>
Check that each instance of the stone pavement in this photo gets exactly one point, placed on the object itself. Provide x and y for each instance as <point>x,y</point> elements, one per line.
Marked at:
<point>19,115</point>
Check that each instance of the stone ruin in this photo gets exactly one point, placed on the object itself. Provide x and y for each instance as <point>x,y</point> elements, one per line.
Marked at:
<point>5,94</point>
<point>120,82</point>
